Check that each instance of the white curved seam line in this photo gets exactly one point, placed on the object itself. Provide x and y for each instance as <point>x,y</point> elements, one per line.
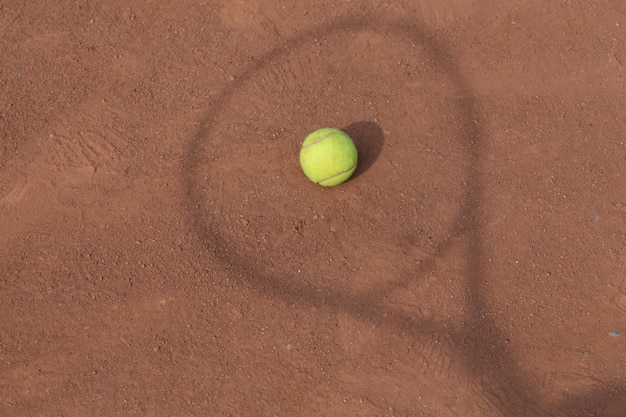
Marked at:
<point>321,138</point>
<point>337,174</point>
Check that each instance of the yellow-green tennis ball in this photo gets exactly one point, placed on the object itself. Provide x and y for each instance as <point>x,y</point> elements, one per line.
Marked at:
<point>328,157</point>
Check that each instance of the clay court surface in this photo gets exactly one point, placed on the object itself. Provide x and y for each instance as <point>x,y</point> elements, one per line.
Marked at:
<point>162,254</point>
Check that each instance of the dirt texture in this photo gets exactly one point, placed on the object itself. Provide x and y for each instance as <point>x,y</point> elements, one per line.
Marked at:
<point>162,254</point>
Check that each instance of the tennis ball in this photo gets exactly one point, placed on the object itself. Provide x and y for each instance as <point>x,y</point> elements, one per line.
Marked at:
<point>328,157</point>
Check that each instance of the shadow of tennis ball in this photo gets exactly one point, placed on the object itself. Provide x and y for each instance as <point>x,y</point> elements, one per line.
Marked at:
<point>369,140</point>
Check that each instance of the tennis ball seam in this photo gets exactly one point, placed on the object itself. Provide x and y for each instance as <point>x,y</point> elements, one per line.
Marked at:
<point>337,174</point>
<point>318,140</point>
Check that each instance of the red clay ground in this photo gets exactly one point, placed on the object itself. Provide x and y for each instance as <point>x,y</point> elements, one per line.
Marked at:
<point>161,254</point>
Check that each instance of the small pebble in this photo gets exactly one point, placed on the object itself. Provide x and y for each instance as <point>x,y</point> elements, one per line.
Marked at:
<point>595,218</point>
